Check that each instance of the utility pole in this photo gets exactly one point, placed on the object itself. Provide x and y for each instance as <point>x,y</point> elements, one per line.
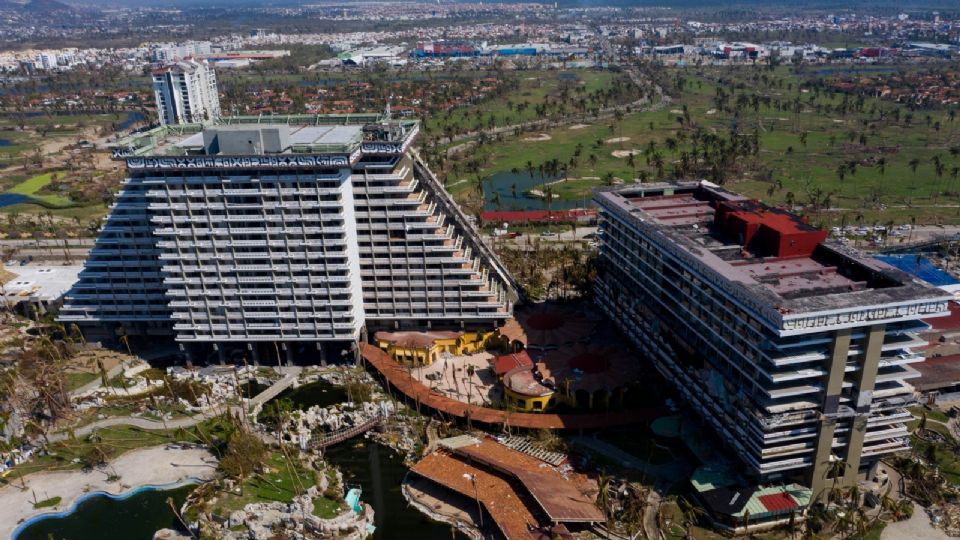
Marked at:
<point>476,494</point>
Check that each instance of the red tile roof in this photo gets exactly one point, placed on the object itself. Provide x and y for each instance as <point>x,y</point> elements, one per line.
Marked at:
<point>950,322</point>
<point>936,373</point>
<point>507,362</point>
<point>777,502</point>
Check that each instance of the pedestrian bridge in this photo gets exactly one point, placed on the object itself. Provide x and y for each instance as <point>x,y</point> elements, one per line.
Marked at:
<point>319,442</point>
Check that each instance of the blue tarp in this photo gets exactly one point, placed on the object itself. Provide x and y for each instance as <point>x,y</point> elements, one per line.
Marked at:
<point>921,267</point>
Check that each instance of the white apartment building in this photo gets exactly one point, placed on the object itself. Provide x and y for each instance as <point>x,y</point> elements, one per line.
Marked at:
<point>173,52</point>
<point>186,92</point>
<point>308,232</point>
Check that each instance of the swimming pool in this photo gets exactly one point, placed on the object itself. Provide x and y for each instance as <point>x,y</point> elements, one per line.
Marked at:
<point>920,267</point>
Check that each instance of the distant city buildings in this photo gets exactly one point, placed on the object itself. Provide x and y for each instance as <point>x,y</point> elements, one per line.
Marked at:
<point>795,351</point>
<point>172,52</point>
<point>186,93</point>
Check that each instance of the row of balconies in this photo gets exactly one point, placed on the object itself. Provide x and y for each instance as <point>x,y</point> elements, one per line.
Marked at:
<point>228,244</point>
<point>803,432</point>
<point>227,253</point>
<point>226,296</point>
<point>281,268</point>
<point>296,230</point>
<point>231,208</point>
<point>265,190</point>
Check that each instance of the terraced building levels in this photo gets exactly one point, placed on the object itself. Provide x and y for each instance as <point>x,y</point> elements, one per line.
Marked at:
<point>295,230</point>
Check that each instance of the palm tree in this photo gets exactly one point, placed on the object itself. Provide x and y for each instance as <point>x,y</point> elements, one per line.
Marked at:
<point>603,495</point>
<point>913,164</point>
<point>691,514</point>
<point>836,469</point>
<point>470,371</point>
<point>889,504</point>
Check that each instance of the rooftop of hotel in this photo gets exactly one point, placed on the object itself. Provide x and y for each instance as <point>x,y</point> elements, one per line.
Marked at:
<point>777,255</point>
<point>276,134</point>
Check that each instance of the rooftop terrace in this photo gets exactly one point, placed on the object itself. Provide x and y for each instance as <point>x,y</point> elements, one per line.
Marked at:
<point>785,263</point>
<point>291,134</point>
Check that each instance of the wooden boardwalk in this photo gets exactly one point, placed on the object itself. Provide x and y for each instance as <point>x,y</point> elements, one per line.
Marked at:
<point>400,379</point>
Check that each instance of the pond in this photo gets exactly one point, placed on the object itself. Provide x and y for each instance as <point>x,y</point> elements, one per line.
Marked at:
<point>10,199</point>
<point>507,183</point>
<point>378,470</point>
<point>138,515</point>
<point>131,119</point>
<point>319,393</point>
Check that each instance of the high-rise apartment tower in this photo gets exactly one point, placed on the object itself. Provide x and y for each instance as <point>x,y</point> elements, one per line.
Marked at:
<point>309,231</point>
<point>186,93</point>
<point>795,350</point>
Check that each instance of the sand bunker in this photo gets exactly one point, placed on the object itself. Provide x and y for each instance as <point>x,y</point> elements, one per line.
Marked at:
<point>537,138</point>
<point>579,126</point>
<point>617,140</point>
<point>625,153</point>
<point>712,111</point>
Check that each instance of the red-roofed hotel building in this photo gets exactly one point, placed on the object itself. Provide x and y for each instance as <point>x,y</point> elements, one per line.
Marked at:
<point>795,350</point>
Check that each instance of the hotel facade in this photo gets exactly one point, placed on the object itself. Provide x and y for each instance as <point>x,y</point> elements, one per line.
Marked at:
<point>795,351</point>
<point>284,231</point>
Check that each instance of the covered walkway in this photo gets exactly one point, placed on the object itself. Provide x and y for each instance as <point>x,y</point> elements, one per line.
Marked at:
<point>402,380</point>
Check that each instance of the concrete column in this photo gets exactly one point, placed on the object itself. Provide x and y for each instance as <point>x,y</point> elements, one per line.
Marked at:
<point>221,353</point>
<point>833,385</point>
<point>819,483</point>
<point>322,351</point>
<point>187,354</point>
<point>865,383</point>
<point>289,348</point>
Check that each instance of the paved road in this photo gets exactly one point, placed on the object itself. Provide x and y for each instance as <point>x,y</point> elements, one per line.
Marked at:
<point>142,423</point>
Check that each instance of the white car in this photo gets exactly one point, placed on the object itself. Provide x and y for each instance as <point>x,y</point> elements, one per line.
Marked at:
<point>547,235</point>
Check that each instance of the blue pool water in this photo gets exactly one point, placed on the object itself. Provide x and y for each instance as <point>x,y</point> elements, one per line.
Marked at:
<point>921,267</point>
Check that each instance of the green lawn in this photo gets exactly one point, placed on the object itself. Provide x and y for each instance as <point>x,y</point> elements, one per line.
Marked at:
<point>34,184</point>
<point>519,105</point>
<point>326,508</point>
<point>281,483</point>
<point>800,151</point>
<point>932,414</point>
<point>48,503</point>
<point>110,442</point>
<point>77,379</point>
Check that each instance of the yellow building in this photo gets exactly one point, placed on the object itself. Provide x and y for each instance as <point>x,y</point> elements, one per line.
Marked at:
<point>524,391</point>
<point>423,348</point>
